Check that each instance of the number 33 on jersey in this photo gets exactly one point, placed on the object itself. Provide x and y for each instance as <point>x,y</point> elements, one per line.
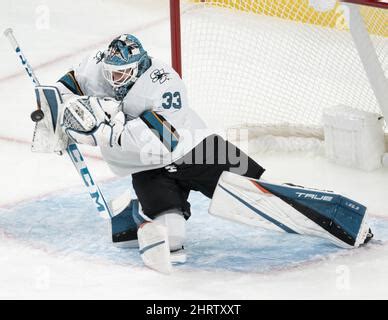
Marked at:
<point>172,100</point>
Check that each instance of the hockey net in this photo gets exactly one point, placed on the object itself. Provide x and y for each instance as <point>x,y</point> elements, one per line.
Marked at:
<point>273,65</point>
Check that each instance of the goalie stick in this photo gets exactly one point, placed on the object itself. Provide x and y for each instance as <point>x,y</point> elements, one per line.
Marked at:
<point>38,114</point>
<point>72,150</point>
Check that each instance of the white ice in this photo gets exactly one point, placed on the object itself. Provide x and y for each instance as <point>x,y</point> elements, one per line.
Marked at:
<point>52,244</point>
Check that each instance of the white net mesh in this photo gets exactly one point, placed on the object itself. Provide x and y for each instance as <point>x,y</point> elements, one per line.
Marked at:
<point>268,62</point>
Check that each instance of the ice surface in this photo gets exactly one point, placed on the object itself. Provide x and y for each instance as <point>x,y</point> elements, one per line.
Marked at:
<point>66,224</point>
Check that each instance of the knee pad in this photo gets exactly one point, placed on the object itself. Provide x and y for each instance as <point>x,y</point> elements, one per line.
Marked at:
<point>176,227</point>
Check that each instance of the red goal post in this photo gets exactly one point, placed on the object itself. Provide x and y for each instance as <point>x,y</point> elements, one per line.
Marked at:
<point>373,3</point>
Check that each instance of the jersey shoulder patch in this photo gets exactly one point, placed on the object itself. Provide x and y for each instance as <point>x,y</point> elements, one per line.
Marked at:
<point>161,74</point>
<point>166,88</point>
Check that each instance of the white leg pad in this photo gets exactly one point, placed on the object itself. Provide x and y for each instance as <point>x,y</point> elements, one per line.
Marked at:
<point>243,200</point>
<point>175,224</point>
<point>154,247</point>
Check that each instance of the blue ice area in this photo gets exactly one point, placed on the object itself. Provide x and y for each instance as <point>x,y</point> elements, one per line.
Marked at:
<point>67,225</point>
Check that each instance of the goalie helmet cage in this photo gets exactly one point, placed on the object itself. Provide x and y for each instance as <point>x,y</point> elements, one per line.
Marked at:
<point>274,65</point>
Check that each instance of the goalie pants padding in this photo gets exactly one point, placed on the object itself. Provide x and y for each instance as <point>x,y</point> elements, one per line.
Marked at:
<point>168,188</point>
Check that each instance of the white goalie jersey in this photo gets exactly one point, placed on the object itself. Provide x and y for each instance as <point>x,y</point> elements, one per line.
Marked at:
<point>160,126</point>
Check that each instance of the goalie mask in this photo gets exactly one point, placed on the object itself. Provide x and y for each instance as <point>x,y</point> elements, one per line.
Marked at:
<point>123,63</point>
